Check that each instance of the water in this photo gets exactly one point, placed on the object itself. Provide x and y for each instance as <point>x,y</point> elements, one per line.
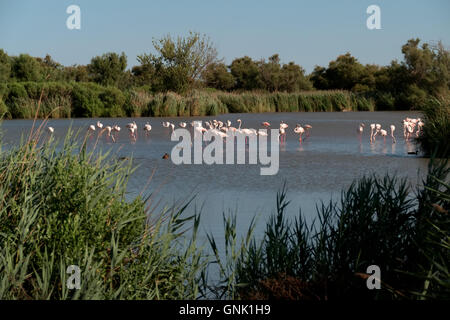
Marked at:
<point>327,162</point>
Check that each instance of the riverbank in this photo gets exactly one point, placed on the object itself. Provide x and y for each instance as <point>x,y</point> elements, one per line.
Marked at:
<point>22,100</point>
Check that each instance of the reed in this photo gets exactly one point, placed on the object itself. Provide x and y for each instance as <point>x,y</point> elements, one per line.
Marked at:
<point>436,131</point>
<point>64,205</point>
<point>376,222</point>
<point>73,99</point>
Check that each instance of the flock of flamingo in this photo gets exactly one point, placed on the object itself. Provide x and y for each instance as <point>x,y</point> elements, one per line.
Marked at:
<point>411,127</point>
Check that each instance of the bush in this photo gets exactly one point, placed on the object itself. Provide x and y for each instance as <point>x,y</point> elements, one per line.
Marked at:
<point>436,131</point>
<point>376,222</point>
<point>68,207</point>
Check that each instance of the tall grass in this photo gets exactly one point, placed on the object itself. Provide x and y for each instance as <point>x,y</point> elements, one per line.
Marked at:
<point>376,222</point>
<point>64,205</point>
<point>65,100</point>
<point>436,131</point>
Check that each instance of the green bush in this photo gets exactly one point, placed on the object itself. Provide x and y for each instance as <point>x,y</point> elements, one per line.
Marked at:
<point>86,101</point>
<point>68,207</point>
<point>376,222</point>
<point>113,101</point>
<point>436,131</point>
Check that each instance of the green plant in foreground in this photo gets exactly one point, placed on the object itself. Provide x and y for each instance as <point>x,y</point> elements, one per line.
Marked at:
<point>63,205</point>
<point>376,222</point>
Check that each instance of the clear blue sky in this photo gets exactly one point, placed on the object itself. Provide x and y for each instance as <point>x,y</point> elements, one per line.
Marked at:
<point>307,32</point>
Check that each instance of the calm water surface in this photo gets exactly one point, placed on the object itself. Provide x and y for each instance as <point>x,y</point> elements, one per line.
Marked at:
<point>327,162</point>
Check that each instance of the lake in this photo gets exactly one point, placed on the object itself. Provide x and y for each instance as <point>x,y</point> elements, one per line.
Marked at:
<point>317,170</point>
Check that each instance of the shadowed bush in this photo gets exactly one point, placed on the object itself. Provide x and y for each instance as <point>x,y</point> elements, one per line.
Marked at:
<point>436,131</point>
<point>376,222</point>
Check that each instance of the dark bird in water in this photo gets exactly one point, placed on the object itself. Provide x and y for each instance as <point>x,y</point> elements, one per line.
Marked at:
<point>413,152</point>
<point>165,156</point>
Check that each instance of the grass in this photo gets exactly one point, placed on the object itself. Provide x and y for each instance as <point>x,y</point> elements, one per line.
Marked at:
<point>436,132</point>
<point>376,222</point>
<point>18,100</point>
<point>62,207</point>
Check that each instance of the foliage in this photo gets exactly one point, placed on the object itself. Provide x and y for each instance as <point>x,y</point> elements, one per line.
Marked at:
<point>178,63</point>
<point>107,69</point>
<point>376,222</point>
<point>64,205</point>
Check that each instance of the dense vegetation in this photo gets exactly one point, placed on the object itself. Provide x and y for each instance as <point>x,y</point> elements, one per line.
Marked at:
<point>436,133</point>
<point>374,223</point>
<point>64,206</point>
<point>185,77</point>
<point>67,207</point>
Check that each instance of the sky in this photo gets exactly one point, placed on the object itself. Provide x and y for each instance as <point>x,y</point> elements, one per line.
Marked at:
<point>309,33</point>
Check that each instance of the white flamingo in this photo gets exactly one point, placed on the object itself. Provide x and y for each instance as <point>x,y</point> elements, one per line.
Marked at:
<point>392,134</point>
<point>147,128</point>
<point>116,130</point>
<point>383,134</point>
<point>299,130</point>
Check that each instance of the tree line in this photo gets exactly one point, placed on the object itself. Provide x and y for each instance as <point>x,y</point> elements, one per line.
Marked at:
<point>183,64</point>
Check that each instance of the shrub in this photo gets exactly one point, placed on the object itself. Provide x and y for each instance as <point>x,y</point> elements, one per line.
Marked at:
<point>68,207</point>
<point>436,131</point>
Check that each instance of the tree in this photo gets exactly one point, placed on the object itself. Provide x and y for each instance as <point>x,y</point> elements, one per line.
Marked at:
<point>179,62</point>
<point>270,73</point>
<point>319,78</point>
<point>292,78</point>
<point>217,76</point>
<point>5,66</point>
<point>246,74</point>
<point>108,68</point>
<point>26,68</point>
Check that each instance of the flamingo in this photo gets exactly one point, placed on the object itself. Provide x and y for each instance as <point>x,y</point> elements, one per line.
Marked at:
<point>383,134</point>
<point>109,129</point>
<point>147,128</point>
<point>132,128</point>
<point>281,133</point>
<point>99,125</point>
<point>299,130</point>
<point>283,125</point>
<point>166,124</point>
<point>116,130</point>
<point>372,128</point>
<point>182,124</point>
<point>50,130</point>
<point>377,130</point>
<point>91,129</point>
<point>409,131</point>
<point>307,128</point>
<point>265,124</point>
<point>262,132</point>
<point>240,123</point>
<point>360,130</point>
<point>420,124</point>
<point>392,134</point>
